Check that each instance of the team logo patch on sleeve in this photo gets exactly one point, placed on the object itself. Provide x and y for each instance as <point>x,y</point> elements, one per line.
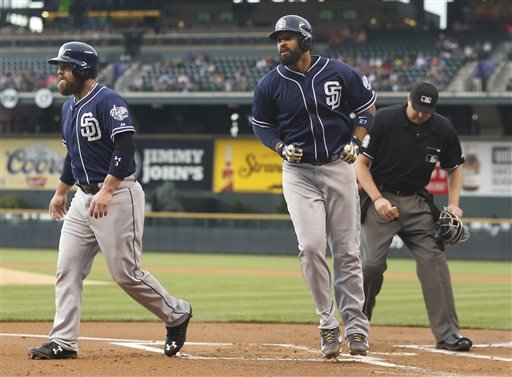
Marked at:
<point>119,112</point>
<point>366,83</point>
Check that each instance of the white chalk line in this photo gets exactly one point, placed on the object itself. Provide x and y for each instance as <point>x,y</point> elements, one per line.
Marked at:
<point>461,354</point>
<point>150,345</point>
<point>347,358</point>
<point>147,345</point>
<point>494,345</point>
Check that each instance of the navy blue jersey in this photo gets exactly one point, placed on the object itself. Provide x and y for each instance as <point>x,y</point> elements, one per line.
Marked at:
<point>311,110</point>
<point>89,127</point>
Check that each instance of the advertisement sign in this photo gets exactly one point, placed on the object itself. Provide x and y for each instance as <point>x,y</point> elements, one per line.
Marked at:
<point>44,98</point>
<point>9,98</point>
<point>246,166</point>
<point>438,184</point>
<point>488,169</point>
<point>186,162</point>
<point>31,165</point>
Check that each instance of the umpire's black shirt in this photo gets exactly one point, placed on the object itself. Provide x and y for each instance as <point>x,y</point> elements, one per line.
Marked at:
<point>404,154</point>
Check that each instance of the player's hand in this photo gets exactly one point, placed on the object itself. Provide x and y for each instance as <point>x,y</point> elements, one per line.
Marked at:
<point>351,151</point>
<point>100,204</point>
<point>57,207</point>
<point>290,153</point>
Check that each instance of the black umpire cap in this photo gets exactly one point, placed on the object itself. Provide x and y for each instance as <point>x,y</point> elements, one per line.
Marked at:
<point>424,97</point>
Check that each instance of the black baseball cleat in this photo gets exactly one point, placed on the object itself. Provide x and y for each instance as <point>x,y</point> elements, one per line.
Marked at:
<point>51,351</point>
<point>176,337</point>
<point>455,342</point>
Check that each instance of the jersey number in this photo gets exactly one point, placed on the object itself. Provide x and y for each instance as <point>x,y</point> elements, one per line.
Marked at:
<point>333,94</point>
<point>90,127</point>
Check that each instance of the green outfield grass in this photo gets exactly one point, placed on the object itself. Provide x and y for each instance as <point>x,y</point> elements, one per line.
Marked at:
<point>246,288</point>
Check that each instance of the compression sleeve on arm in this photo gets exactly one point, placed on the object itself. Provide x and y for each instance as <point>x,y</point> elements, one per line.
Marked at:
<point>267,136</point>
<point>124,143</point>
<point>365,119</point>
<point>122,156</point>
<point>66,175</point>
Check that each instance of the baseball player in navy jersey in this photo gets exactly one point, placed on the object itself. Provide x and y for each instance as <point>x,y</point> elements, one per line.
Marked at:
<point>314,112</point>
<point>107,211</point>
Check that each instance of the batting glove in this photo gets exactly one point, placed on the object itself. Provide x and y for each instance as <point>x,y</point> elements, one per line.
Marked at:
<point>351,151</point>
<point>290,152</point>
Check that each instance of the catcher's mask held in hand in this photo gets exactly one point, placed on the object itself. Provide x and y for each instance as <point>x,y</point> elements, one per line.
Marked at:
<point>451,228</point>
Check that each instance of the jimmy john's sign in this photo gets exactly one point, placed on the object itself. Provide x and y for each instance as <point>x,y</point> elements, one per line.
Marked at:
<point>186,163</point>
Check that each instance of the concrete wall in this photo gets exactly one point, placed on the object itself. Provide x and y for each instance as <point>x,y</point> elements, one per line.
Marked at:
<point>263,239</point>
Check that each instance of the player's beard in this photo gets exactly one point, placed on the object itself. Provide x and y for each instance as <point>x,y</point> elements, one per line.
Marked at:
<point>292,58</point>
<point>67,88</point>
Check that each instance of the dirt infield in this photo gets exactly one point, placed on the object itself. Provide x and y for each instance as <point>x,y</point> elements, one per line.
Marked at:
<point>227,350</point>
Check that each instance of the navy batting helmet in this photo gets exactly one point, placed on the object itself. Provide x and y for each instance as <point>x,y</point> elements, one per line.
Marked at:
<point>84,57</point>
<point>297,24</point>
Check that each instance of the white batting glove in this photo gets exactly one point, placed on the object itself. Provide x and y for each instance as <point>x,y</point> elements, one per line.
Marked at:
<point>350,153</point>
<point>290,152</point>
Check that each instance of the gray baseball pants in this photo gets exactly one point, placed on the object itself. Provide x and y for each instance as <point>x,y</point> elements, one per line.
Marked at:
<point>119,236</point>
<point>323,203</point>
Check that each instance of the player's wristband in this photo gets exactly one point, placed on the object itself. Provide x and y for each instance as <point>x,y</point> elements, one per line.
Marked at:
<point>356,141</point>
<point>280,149</point>
<point>120,164</point>
<point>66,175</point>
<point>364,119</point>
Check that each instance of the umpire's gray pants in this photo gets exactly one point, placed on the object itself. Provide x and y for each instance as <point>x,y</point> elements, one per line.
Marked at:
<point>415,227</point>
<point>323,202</point>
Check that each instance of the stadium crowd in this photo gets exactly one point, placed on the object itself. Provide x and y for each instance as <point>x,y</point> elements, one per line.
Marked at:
<point>436,57</point>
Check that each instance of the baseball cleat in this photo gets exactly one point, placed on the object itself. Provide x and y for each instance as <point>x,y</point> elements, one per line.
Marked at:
<point>358,344</point>
<point>176,337</point>
<point>331,342</point>
<point>51,351</point>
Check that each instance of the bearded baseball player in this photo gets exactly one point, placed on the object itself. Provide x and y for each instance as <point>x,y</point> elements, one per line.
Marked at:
<point>107,211</point>
<point>314,112</point>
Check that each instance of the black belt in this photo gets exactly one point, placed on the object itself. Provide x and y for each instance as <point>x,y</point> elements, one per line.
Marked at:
<point>320,161</point>
<point>94,188</point>
<point>90,189</point>
<point>396,191</point>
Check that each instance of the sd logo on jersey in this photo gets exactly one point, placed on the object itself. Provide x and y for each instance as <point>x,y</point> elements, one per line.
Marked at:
<point>333,92</point>
<point>90,127</point>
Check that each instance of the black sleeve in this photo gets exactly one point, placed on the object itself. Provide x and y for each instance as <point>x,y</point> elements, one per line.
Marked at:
<point>124,143</point>
<point>66,175</point>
